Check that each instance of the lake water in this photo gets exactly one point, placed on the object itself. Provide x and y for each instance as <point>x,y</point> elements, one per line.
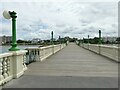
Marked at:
<point>22,47</point>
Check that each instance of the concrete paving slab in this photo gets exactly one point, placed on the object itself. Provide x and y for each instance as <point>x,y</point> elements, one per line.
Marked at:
<point>33,81</point>
<point>75,61</point>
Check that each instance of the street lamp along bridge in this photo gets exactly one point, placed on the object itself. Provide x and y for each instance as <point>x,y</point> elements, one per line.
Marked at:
<point>9,15</point>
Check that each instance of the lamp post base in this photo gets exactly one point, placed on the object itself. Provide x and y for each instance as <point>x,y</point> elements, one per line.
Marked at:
<point>14,49</point>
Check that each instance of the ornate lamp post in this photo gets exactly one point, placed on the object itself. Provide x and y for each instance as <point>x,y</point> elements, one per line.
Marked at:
<point>9,15</point>
<point>83,40</point>
<point>100,37</point>
<point>88,39</point>
<point>52,37</point>
<point>79,42</point>
<point>66,41</point>
<point>59,39</point>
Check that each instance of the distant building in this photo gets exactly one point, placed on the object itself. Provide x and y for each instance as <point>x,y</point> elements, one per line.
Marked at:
<point>5,39</point>
<point>36,40</point>
<point>110,39</point>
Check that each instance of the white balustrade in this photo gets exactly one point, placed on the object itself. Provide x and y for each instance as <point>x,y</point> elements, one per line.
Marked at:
<point>94,48</point>
<point>5,65</point>
<point>41,53</point>
<point>111,52</point>
<point>11,65</point>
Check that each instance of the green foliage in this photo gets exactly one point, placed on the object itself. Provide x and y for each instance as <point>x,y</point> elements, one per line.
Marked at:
<point>23,41</point>
<point>118,40</point>
<point>95,40</point>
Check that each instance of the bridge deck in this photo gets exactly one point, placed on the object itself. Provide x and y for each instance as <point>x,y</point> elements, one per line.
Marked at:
<point>71,67</point>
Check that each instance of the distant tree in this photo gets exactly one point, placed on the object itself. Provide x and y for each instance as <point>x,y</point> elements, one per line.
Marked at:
<point>118,40</point>
<point>108,42</point>
<point>20,41</point>
<point>96,40</point>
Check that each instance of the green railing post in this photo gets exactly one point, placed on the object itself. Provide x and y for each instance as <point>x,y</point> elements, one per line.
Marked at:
<point>14,42</point>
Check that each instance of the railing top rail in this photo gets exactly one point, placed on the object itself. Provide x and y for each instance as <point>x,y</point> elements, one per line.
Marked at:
<point>6,54</point>
<point>37,48</point>
<point>46,47</point>
<point>10,53</point>
<point>32,48</point>
<point>106,46</point>
<point>109,46</point>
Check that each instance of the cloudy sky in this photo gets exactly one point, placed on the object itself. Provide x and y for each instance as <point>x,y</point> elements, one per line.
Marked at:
<point>72,18</point>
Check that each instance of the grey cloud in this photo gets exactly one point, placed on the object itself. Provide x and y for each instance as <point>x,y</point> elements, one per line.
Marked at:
<point>66,18</point>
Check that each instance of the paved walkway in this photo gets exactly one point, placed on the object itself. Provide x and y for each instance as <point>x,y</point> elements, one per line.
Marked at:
<point>72,67</point>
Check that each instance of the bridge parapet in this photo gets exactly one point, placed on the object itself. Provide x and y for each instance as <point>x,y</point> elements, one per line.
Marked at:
<point>41,53</point>
<point>111,52</point>
<point>12,65</point>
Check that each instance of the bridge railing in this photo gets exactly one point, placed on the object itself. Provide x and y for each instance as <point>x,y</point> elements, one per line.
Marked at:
<point>41,53</point>
<point>111,52</point>
<point>12,65</point>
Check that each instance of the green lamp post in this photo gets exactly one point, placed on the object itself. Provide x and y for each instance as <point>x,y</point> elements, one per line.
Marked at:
<point>59,39</point>
<point>83,40</point>
<point>88,39</point>
<point>79,42</point>
<point>52,37</point>
<point>9,15</point>
<point>100,37</point>
<point>66,41</point>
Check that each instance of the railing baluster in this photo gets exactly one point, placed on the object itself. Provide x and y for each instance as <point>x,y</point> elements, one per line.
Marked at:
<point>24,61</point>
<point>11,65</point>
<point>5,67</point>
<point>8,66</point>
<point>40,53</point>
<point>1,69</point>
